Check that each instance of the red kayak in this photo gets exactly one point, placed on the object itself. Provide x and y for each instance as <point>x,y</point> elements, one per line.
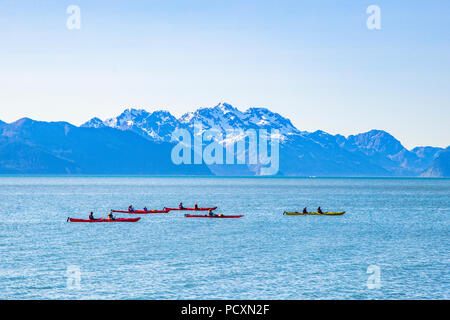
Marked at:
<point>141,211</point>
<point>191,209</point>
<point>208,216</point>
<point>105,220</point>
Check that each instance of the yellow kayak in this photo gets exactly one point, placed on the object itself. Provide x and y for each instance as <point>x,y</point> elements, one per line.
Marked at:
<point>314,213</point>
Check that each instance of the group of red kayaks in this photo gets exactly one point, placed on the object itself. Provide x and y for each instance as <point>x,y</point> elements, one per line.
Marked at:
<point>165,210</point>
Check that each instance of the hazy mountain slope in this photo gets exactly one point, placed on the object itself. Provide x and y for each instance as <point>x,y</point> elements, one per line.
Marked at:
<point>319,154</point>
<point>440,168</point>
<point>91,150</point>
<point>20,158</point>
<point>387,152</point>
<point>426,155</point>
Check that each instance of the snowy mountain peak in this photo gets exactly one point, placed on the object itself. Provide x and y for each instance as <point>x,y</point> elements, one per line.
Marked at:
<point>130,114</point>
<point>160,124</point>
<point>263,118</point>
<point>225,107</point>
<point>223,117</point>
<point>94,123</point>
<point>134,111</point>
<point>226,117</point>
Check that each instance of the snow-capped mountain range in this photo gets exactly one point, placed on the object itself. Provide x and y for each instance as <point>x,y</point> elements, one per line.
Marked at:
<point>159,125</point>
<point>302,153</point>
<point>140,142</point>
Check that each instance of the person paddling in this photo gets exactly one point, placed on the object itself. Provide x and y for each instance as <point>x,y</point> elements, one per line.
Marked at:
<point>130,208</point>
<point>305,210</point>
<point>145,209</point>
<point>210,213</point>
<point>196,206</point>
<point>319,210</point>
<point>180,206</point>
<point>91,216</point>
<point>111,217</point>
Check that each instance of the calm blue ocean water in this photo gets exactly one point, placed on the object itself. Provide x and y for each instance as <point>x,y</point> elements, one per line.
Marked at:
<point>399,225</point>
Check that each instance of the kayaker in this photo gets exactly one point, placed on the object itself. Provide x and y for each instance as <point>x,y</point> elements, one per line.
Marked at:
<point>130,208</point>
<point>319,210</point>
<point>111,217</point>
<point>196,206</point>
<point>305,210</point>
<point>145,209</point>
<point>181,205</point>
<point>91,216</point>
<point>210,213</point>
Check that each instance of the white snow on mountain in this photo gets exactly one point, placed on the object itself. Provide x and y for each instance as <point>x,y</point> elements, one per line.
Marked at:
<point>157,125</point>
<point>94,123</point>
<point>225,118</point>
<point>371,153</point>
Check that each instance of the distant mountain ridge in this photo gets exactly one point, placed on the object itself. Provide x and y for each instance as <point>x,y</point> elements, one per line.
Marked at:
<point>440,166</point>
<point>28,146</point>
<point>371,153</point>
<point>35,147</point>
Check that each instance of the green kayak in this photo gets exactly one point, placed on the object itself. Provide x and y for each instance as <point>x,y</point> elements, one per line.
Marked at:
<point>314,213</point>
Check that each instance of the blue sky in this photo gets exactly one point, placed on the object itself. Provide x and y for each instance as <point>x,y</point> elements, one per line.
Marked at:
<point>314,62</point>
